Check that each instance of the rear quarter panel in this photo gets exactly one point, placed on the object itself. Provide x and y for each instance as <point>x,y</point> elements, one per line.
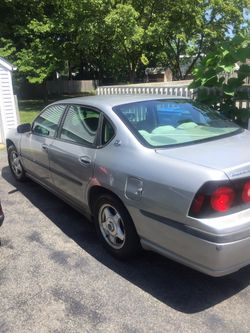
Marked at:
<point>168,185</point>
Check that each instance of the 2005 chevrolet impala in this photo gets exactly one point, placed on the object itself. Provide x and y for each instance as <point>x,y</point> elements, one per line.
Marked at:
<point>166,174</point>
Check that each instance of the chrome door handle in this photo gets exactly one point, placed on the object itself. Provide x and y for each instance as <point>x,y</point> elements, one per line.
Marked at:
<point>85,160</point>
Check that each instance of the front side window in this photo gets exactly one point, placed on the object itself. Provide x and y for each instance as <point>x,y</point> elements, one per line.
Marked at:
<point>80,125</point>
<point>46,124</point>
<point>161,123</point>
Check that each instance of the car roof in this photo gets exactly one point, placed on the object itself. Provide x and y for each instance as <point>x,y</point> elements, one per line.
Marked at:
<point>113,100</point>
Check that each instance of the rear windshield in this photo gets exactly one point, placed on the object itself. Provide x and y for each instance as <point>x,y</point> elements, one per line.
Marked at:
<point>161,123</point>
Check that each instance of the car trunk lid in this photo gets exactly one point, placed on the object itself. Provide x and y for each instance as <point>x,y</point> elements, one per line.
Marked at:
<point>230,154</point>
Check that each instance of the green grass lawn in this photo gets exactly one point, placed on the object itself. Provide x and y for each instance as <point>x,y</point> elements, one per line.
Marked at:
<point>29,109</point>
<point>27,116</point>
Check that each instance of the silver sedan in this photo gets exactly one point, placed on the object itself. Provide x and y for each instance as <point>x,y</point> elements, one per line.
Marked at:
<point>167,175</point>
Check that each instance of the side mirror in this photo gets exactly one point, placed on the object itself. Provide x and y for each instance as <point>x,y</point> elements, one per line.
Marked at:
<point>24,128</point>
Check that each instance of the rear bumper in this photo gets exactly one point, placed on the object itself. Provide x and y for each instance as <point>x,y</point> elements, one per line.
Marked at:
<point>223,258</point>
<point>215,258</point>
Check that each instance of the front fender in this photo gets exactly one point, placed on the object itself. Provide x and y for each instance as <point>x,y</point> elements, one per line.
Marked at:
<point>12,137</point>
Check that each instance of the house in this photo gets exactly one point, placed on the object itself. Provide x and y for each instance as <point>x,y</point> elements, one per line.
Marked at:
<point>8,110</point>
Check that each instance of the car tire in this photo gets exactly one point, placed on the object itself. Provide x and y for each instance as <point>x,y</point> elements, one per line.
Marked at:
<point>115,227</point>
<point>15,164</point>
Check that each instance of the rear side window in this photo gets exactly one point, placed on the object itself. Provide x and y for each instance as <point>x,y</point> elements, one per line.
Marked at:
<point>80,125</point>
<point>107,132</point>
<point>46,124</point>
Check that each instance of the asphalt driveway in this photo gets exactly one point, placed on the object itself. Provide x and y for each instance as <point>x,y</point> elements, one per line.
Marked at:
<point>56,277</point>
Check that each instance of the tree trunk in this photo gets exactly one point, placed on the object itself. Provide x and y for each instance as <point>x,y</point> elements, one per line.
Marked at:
<point>132,76</point>
<point>45,92</point>
<point>81,69</point>
<point>133,71</point>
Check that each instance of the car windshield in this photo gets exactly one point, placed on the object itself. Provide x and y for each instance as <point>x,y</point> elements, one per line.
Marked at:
<point>160,123</point>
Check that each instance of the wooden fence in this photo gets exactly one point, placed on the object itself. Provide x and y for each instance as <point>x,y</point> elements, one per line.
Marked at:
<point>60,87</point>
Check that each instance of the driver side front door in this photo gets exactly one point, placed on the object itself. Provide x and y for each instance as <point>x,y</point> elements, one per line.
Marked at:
<point>35,145</point>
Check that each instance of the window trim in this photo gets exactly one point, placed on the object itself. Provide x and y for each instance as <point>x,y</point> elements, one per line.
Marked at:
<point>87,145</point>
<point>100,145</point>
<point>98,140</point>
<point>59,122</point>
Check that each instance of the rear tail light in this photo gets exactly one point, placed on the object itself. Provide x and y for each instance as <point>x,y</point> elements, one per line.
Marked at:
<point>220,198</point>
<point>246,192</point>
<point>198,203</point>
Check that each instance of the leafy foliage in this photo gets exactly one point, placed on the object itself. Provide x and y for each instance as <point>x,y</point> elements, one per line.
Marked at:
<point>210,77</point>
<point>113,39</point>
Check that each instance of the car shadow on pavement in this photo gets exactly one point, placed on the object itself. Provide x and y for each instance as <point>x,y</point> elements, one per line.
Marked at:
<point>178,286</point>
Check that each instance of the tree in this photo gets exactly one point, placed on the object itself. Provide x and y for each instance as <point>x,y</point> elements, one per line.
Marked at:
<point>113,39</point>
<point>191,29</point>
<point>211,81</point>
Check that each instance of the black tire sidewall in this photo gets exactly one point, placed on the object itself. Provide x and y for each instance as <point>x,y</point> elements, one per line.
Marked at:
<point>132,243</point>
<point>10,150</point>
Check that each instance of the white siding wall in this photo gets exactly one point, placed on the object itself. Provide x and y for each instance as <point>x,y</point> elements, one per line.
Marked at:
<point>8,116</point>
